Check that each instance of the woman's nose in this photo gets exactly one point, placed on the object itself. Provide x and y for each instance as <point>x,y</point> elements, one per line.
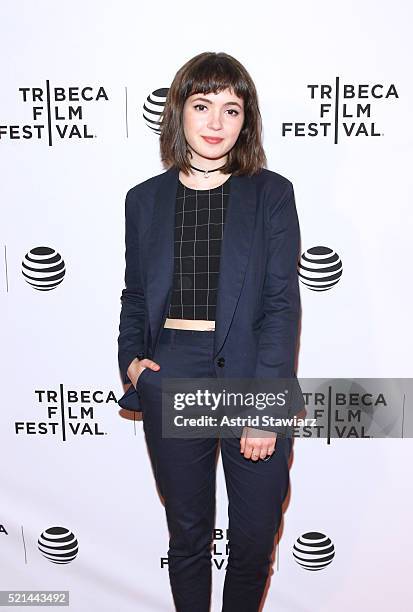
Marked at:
<point>214,121</point>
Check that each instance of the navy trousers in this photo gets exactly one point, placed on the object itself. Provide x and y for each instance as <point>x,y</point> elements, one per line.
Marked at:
<point>185,473</point>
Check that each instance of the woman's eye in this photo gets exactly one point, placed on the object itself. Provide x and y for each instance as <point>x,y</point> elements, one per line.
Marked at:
<point>230,110</point>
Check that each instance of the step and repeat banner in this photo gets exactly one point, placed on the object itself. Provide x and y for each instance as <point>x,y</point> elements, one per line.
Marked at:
<point>82,88</point>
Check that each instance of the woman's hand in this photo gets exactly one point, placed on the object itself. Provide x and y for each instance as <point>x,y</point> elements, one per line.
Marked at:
<point>254,446</point>
<point>137,366</point>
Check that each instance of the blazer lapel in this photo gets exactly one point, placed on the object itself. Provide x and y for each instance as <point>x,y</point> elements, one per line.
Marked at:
<point>159,267</point>
<point>235,249</point>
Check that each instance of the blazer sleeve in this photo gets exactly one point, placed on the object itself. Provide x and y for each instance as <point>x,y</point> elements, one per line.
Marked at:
<point>281,297</point>
<point>132,315</point>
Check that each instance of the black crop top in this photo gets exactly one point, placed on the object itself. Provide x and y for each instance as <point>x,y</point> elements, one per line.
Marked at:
<point>199,227</point>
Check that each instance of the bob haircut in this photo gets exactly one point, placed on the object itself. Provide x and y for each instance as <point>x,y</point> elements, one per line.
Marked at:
<point>205,73</point>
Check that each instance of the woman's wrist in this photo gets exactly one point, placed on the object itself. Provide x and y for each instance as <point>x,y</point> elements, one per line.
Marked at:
<point>132,370</point>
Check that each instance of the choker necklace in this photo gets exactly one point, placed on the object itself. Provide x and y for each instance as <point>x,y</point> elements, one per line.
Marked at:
<point>206,172</point>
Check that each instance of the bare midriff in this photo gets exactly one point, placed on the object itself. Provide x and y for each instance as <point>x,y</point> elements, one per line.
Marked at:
<point>194,324</point>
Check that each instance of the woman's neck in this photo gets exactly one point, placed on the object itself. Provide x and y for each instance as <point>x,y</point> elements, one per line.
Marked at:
<point>196,180</point>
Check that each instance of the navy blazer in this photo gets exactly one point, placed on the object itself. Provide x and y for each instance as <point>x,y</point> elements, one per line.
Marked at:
<point>258,300</point>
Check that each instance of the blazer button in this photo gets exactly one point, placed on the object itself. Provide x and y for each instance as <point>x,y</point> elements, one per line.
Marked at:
<point>221,362</point>
<point>140,356</point>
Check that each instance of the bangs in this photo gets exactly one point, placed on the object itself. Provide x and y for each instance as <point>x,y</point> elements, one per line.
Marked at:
<point>212,76</point>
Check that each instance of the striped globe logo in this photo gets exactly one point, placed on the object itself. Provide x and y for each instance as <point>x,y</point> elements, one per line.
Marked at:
<point>153,108</point>
<point>313,551</point>
<point>320,268</point>
<point>43,268</point>
<point>58,545</point>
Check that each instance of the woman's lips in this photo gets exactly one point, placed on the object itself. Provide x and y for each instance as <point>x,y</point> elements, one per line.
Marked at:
<point>212,140</point>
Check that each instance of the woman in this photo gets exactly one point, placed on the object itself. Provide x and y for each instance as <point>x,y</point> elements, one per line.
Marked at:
<point>203,302</point>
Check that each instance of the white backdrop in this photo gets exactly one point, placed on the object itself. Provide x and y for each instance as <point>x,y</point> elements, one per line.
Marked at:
<point>85,467</point>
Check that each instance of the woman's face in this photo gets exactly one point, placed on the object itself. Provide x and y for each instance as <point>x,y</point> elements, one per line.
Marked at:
<point>218,117</point>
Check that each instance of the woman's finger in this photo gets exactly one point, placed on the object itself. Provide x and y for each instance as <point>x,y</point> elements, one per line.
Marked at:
<point>252,451</point>
<point>263,453</point>
<point>242,440</point>
<point>148,363</point>
<point>256,454</point>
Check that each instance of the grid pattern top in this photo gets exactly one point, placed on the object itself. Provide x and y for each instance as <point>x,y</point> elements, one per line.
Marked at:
<point>199,229</point>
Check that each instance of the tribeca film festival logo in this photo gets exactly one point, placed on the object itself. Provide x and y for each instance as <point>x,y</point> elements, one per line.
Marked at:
<point>355,408</point>
<point>345,110</point>
<point>54,113</point>
<point>66,413</point>
<point>219,550</point>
